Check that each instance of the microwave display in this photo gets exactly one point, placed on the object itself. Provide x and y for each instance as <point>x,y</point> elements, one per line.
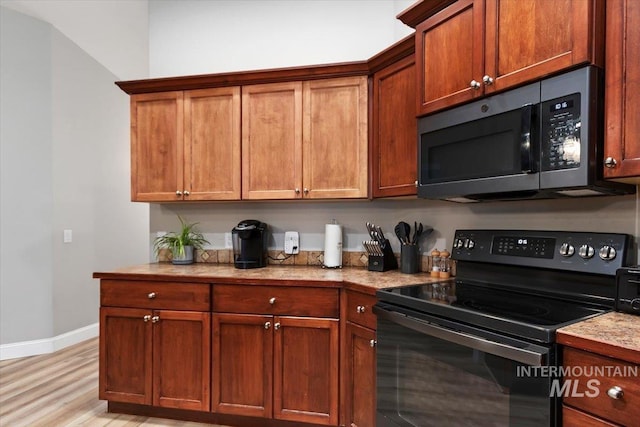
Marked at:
<point>561,125</point>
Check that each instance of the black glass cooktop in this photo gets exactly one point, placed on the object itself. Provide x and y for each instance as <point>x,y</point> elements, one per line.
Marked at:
<point>511,312</point>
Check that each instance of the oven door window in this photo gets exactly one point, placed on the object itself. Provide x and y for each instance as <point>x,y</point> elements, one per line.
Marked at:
<point>426,381</point>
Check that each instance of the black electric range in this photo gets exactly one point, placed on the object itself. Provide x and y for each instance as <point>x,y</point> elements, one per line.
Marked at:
<point>460,351</point>
<point>524,284</point>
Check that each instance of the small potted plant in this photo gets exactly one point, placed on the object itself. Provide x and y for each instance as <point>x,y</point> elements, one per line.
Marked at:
<point>181,244</point>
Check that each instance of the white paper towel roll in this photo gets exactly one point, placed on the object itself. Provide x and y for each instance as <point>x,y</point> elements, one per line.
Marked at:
<point>332,245</point>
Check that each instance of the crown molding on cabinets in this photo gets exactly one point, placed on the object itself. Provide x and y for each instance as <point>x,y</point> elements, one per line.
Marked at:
<point>421,10</point>
<point>275,75</point>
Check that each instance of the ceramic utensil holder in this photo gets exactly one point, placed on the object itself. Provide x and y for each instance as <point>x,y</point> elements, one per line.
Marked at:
<point>409,259</point>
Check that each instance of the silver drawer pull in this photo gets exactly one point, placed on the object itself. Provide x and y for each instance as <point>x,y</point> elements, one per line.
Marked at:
<point>152,295</point>
<point>615,392</point>
<point>272,300</point>
<point>146,317</point>
<point>361,309</point>
<point>267,325</point>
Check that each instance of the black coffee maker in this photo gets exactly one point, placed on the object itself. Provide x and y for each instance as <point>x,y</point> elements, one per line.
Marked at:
<point>250,244</point>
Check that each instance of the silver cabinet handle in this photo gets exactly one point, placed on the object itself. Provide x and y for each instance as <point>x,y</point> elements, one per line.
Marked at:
<point>297,190</point>
<point>610,162</point>
<point>305,191</point>
<point>360,309</point>
<point>178,193</point>
<point>615,392</point>
<point>487,80</point>
<point>272,300</point>
<point>186,192</point>
<point>147,317</point>
<point>155,319</point>
<point>276,326</point>
<point>152,295</point>
<point>373,343</point>
<point>474,85</point>
<point>267,325</point>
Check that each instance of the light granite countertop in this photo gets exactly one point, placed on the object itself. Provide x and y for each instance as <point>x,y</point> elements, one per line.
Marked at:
<point>350,277</point>
<point>611,334</point>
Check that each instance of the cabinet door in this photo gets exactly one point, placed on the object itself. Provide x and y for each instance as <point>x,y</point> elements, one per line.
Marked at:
<point>360,374</point>
<point>272,141</point>
<point>450,55</point>
<point>157,147</point>
<point>394,146</point>
<point>242,364</point>
<point>335,138</point>
<point>125,355</point>
<point>306,357</point>
<point>212,144</point>
<point>181,359</point>
<point>529,39</point>
<point>622,90</point>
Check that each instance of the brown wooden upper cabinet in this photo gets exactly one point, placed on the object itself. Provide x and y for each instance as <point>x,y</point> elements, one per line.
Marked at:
<point>394,148</point>
<point>185,145</point>
<point>305,139</point>
<point>473,48</point>
<point>622,87</point>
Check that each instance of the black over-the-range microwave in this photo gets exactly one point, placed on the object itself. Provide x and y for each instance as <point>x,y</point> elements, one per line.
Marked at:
<point>542,140</point>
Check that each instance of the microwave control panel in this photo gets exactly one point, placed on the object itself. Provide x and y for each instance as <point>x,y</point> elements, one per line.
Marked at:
<point>561,128</point>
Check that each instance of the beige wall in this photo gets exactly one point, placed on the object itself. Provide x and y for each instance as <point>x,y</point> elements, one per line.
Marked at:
<point>604,214</point>
<point>181,36</point>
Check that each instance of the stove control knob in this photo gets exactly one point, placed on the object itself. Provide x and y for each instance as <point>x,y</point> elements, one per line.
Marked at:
<point>469,244</point>
<point>458,244</point>
<point>567,249</point>
<point>586,251</point>
<point>635,304</point>
<point>607,253</point>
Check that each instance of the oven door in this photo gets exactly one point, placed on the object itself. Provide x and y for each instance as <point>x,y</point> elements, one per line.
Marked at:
<point>439,374</point>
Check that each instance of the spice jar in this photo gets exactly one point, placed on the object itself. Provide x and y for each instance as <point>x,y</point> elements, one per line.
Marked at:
<point>445,265</point>
<point>435,263</point>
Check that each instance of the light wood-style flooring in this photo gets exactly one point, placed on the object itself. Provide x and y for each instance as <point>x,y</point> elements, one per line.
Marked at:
<point>61,389</point>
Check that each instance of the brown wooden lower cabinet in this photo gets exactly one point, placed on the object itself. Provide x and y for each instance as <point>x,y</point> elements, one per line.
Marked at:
<point>279,367</point>
<point>358,360</point>
<point>277,364</point>
<point>155,357</point>
<point>360,373</point>
<point>593,400</point>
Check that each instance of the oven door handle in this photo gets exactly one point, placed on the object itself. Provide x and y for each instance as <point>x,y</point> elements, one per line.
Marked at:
<point>522,355</point>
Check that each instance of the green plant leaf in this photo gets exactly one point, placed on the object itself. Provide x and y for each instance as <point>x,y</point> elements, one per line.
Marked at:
<point>176,241</point>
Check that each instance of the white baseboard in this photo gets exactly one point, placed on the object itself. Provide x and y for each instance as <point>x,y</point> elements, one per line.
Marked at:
<point>48,345</point>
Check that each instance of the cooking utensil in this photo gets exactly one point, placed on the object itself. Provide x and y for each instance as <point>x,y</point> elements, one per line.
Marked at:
<point>417,232</point>
<point>407,231</point>
<point>400,234</point>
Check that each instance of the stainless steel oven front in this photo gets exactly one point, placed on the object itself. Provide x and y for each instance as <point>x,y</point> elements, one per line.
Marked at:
<point>436,372</point>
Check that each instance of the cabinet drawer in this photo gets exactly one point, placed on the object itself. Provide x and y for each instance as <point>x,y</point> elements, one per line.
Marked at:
<point>276,300</point>
<point>604,374</point>
<point>360,309</point>
<point>155,295</point>
<point>574,418</point>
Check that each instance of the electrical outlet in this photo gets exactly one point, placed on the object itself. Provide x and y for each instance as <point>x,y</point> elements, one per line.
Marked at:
<point>228,243</point>
<point>291,242</point>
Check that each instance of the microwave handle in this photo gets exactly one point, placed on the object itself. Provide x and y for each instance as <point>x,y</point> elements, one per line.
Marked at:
<point>526,147</point>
